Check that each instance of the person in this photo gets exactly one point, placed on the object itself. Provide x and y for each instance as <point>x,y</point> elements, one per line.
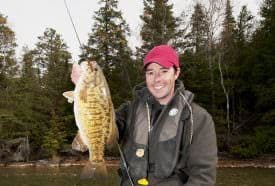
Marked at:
<point>166,138</point>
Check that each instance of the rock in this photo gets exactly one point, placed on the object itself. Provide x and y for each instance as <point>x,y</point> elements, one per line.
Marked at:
<point>14,150</point>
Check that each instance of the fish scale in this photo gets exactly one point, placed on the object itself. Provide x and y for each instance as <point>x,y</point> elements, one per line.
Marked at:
<point>93,131</point>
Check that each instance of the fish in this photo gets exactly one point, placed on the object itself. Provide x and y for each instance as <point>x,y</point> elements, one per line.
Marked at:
<point>95,118</point>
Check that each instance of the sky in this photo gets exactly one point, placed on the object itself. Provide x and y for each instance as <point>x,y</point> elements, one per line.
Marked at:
<point>29,18</point>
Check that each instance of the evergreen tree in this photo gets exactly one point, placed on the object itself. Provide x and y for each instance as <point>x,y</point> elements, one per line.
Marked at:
<point>257,85</point>
<point>228,26</point>
<point>108,46</point>
<point>107,42</point>
<point>52,58</point>
<point>244,26</point>
<point>159,25</point>
<point>263,64</point>
<point>8,70</point>
<point>55,137</point>
<point>227,64</point>
<point>29,102</point>
<point>244,31</point>
<point>213,12</point>
<point>199,29</point>
<point>195,70</point>
<point>7,49</point>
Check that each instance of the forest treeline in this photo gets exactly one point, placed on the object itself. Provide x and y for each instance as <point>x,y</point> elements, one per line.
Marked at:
<point>226,61</point>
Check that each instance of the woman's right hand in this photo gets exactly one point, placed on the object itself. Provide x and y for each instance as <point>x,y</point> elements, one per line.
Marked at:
<point>76,72</point>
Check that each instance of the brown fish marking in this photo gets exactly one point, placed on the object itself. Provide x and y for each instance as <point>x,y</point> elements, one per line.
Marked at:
<point>94,114</point>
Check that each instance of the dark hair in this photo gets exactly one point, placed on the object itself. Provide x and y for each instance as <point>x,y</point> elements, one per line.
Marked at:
<point>176,68</point>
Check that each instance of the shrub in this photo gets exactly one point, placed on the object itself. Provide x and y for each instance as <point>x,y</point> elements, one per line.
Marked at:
<point>261,142</point>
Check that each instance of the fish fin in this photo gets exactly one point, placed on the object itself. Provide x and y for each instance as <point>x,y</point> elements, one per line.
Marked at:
<point>78,143</point>
<point>69,95</point>
<point>93,170</point>
<point>112,138</point>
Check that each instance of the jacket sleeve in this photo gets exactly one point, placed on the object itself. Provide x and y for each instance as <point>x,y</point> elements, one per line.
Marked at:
<point>202,152</point>
<point>121,119</point>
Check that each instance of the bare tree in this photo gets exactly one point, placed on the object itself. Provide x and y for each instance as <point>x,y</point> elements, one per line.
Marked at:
<point>226,93</point>
<point>214,15</point>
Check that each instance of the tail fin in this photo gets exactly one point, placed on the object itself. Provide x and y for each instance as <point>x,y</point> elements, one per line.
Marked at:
<point>96,171</point>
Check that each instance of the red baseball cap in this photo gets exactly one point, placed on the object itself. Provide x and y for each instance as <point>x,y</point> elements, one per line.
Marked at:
<point>163,55</point>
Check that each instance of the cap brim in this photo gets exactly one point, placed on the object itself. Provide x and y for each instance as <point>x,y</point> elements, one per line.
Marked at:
<point>165,64</point>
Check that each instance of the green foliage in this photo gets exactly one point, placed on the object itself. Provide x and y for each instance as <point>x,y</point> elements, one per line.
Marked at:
<point>261,142</point>
<point>55,137</point>
<point>38,92</point>
<point>199,30</point>
<point>261,63</point>
<point>108,46</point>
<point>241,152</point>
<point>10,126</point>
<point>7,49</point>
<point>107,42</point>
<point>31,101</point>
<point>244,26</point>
<point>159,25</point>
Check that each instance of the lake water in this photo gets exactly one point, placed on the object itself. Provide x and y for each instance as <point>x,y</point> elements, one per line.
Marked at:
<point>69,176</point>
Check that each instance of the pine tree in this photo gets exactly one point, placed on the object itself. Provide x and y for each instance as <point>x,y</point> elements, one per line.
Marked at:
<point>8,70</point>
<point>214,13</point>
<point>7,49</point>
<point>7,59</point>
<point>55,137</point>
<point>199,29</point>
<point>263,64</point>
<point>29,102</point>
<point>159,25</point>
<point>52,58</point>
<point>257,88</point>
<point>244,26</point>
<point>244,31</point>
<point>196,69</point>
<point>108,46</point>
<point>107,42</point>
<point>227,63</point>
<point>228,26</point>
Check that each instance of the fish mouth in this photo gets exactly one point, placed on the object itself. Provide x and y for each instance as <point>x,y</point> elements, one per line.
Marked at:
<point>90,69</point>
<point>91,66</point>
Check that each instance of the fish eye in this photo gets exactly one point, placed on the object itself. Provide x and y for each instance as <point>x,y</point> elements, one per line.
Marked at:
<point>96,69</point>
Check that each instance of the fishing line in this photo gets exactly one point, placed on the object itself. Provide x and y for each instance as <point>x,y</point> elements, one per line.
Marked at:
<point>125,164</point>
<point>68,11</point>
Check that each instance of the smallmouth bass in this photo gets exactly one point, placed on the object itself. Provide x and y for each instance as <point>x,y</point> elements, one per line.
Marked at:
<point>94,116</point>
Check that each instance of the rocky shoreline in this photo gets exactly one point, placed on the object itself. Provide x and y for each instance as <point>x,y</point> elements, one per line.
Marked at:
<point>114,162</point>
<point>246,163</point>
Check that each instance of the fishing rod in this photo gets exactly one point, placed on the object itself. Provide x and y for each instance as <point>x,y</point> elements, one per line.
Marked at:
<point>75,31</point>
<point>81,46</point>
<point>125,164</point>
